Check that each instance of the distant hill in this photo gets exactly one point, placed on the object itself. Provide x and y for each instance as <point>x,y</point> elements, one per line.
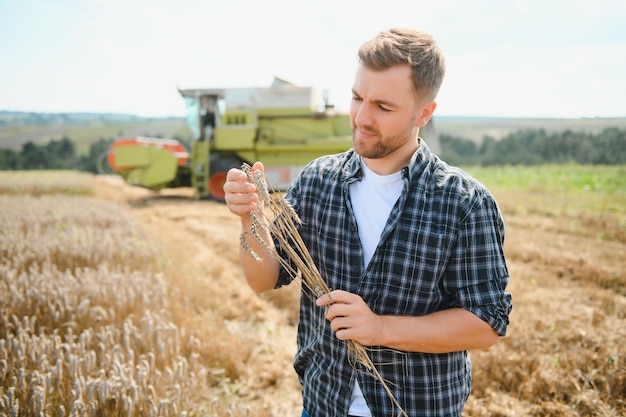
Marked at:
<point>34,118</point>
<point>18,128</point>
<point>476,128</point>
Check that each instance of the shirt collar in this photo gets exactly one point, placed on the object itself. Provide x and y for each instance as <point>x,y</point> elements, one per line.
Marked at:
<point>352,170</point>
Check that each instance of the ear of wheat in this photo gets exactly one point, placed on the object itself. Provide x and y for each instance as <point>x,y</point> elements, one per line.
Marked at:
<point>283,228</point>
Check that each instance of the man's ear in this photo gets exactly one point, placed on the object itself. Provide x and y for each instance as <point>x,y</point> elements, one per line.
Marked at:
<point>425,113</point>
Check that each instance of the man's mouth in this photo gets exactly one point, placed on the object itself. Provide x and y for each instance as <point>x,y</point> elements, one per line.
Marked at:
<point>365,134</point>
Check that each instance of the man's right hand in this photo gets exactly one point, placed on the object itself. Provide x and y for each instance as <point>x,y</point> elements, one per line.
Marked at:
<point>241,198</point>
<point>240,195</point>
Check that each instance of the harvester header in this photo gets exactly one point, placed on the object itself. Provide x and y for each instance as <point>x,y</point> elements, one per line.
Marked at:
<point>281,125</point>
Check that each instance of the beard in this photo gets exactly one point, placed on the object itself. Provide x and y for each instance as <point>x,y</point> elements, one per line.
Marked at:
<point>377,147</point>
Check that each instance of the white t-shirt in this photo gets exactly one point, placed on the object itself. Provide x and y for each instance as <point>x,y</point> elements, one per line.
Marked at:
<point>373,199</point>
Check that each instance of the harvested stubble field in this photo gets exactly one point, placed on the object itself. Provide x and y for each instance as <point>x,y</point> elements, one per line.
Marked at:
<point>118,301</point>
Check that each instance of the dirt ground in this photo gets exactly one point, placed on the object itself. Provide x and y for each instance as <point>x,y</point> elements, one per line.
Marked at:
<point>563,311</point>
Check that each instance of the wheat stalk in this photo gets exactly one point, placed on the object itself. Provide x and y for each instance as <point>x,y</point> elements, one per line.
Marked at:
<point>284,229</point>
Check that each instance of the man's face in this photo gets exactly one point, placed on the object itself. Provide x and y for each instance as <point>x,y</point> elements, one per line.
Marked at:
<point>384,113</point>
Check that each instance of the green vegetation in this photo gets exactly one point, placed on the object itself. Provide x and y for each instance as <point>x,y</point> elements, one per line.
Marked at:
<point>590,197</point>
<point>606,179</point>
<point>54,155</point>
<point>535,147</point>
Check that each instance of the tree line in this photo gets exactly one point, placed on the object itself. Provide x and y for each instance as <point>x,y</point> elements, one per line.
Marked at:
<point>19,118</point>
<point>525,147</point>
<point>536,147</point>
<point>55,154</point>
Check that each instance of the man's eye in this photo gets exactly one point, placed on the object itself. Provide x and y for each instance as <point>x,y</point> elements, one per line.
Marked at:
<point>356,98</point>
<point>383,108</point>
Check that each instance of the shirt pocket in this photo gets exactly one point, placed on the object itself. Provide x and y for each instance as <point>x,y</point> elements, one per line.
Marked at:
<point>411,268</point>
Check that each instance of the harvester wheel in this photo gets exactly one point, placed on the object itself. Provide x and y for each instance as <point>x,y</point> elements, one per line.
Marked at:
<point>219,169</point>
<point>216,182</point>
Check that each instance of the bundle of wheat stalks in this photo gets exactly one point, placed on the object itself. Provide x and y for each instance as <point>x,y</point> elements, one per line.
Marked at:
<point>283,228</point>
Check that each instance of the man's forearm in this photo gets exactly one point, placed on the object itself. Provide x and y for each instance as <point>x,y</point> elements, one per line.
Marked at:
<point>261,274</point>
<point>441,332</point>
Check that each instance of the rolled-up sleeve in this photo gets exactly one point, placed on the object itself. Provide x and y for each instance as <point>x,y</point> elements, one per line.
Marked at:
<point>477,274</point>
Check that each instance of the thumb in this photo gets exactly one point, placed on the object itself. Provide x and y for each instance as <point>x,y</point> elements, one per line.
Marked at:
<point>258,166</point>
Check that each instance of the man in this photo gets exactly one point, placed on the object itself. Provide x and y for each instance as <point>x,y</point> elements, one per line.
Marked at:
<point>411,247</point>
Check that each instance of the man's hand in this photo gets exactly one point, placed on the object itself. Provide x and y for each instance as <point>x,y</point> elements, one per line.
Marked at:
<point>351,318</point>
<point>241,199</point>
<point>240,195</point>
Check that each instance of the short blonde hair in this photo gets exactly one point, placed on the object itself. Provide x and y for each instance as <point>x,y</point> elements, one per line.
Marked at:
<point>417,49</point>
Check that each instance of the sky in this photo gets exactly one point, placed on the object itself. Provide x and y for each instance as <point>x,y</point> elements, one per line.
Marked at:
<point>504,58</point>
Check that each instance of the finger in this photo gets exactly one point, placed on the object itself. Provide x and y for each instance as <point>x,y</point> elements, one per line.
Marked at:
<point>258,166</point>
<point>247,200</point>
<point>235,174</point>
<point>324,300</point>
<point>340,323</point>
<point>342,329</point>
<point>239,202</point>
<point>237,182</point>
<point>337,296</point>
<point>240,195</point>
<point>239,187</point>
<point>343,334</point>
<point>241,209</point>
<point>333,312</point>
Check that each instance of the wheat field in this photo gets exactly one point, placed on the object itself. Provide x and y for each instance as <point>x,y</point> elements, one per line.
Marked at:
<point>86,326</point>
<point>115,301</point>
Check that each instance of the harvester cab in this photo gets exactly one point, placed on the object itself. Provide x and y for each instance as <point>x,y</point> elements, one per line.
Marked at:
<point>280,125</point>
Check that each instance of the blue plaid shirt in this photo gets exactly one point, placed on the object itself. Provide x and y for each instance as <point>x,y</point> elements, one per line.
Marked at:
<point>441,248</point>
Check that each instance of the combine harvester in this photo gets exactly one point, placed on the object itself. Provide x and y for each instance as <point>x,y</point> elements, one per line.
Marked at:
<point>281,125</point>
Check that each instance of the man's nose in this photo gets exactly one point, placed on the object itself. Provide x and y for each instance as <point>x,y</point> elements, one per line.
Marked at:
<point>363,116</point>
